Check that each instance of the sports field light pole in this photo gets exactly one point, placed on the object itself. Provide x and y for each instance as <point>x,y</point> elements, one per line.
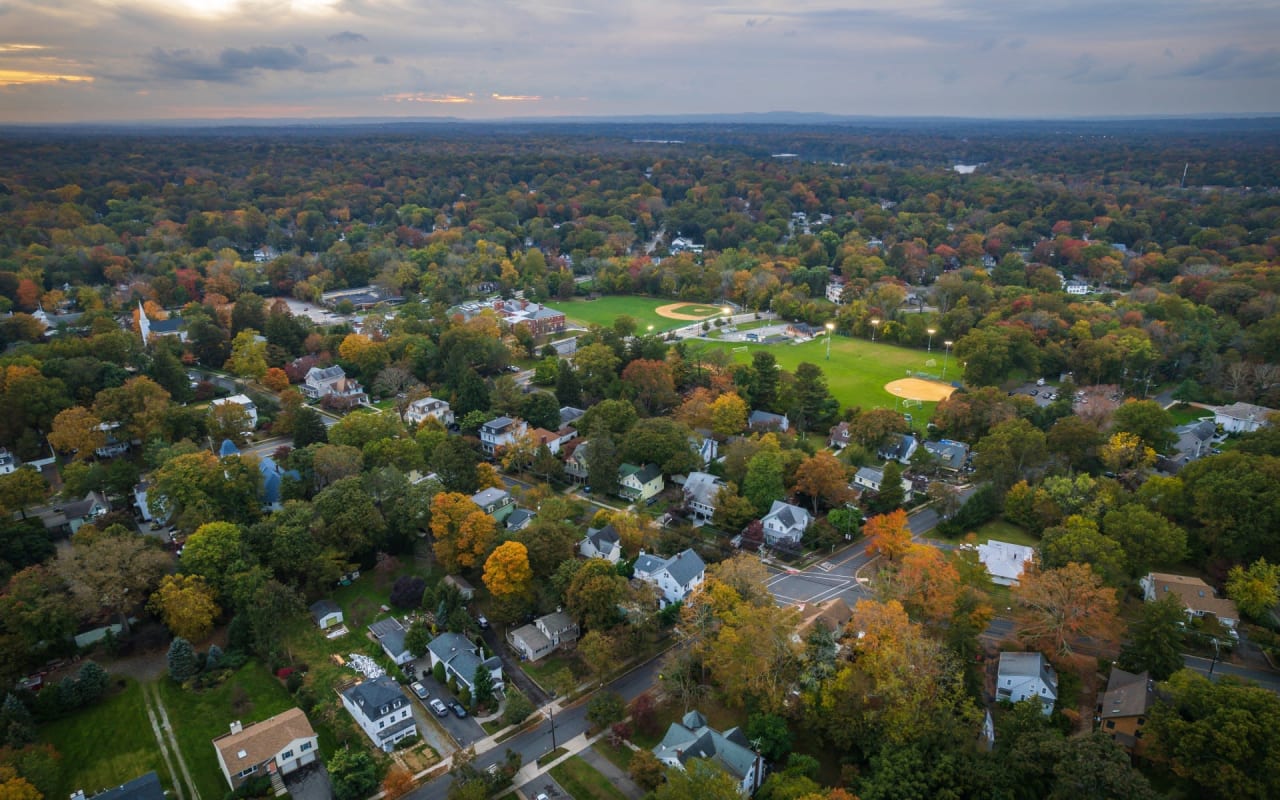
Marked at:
<point>931,332</point>
<point>875,323</point>
<point>947,344</point>
<point>831,326</point>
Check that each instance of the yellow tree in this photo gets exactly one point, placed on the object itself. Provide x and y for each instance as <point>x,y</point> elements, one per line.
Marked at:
<point>1056,606</point>
<point>487,477</point>
<point>463,533</point>
<point>728,415</point>
<point>139,405</point>
<point>77,430</point>
<point>1126,455</point>
<point>187,606</point>
<point>925,582</point>
<point>889,534</point>
<point>15,787</point>
<point>507,572</point>
<point>248,355</point>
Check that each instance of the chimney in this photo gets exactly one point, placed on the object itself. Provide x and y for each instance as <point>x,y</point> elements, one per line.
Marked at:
<point>236,727</point>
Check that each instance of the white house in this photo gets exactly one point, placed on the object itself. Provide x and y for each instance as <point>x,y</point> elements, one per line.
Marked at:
<point>1005,561</point>
<point>381,710</point>
<point>1242,417</point>
<point>1024,675</point>
<point>390,635</point>
<point>731,751</point>
<point>419,410</point>
<point>7,462</point>
<point>835,289</point>
<point>244,402</point>
<point>900,447</point>
<point>322,382</point>
<point>501,432</point>
<point>700,491</point>
<point>461,658</point>
<point>1073,286</point>
<point>1197,597</point>
<point>675,577</point>
<point>638,484</point>
<point>544,635</point>
<point>282,744</point>
<point>602,543</point>
<point>872,478</point>
<point>326,614</point>
<point>785,523</point>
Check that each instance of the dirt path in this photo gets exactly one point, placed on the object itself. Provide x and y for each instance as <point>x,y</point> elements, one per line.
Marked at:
<point>669,312</point>
<point>164,736</point>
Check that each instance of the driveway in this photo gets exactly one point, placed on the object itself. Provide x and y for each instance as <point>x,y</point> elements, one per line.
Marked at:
<point>309,783</point>
<point>428,727</point>
<point>511,667</point>
<point>464,731</point>
<point>547,785</point>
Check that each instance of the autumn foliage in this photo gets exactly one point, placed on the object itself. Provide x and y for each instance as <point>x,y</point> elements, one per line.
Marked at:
<point>889,535</point>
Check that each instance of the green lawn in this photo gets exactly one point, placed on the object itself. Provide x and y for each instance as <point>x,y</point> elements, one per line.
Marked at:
<point>620,756</point>
<point>251,695</point>
<point>605,310</point>
<point>1003,531</point>
<point>107,745</point>
<point>858,369</point>
<point>1184,413</point>
<point>584,782</point>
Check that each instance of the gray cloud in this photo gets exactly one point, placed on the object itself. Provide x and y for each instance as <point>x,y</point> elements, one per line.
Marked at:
<point>1088,69</point>
<point>234,65</point>
<point>348,37</point>
<point>382,60</point>
<point>1232,63</point>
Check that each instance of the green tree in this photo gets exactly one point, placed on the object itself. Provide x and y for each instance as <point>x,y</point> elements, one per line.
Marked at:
<point>605,709</point>
<point>770,735</point>
<point>603,461</point>
<point>733,511</point>
<point>812,407</point>
<point>568,389</point>
<point>248,356</point>
<point>700,779</point>
<point>541,410</point>
<point>518,708</point>
<point>765,481</point>
<point>594,593</point>
<point>1013,451</point>
<point>417,638</point>
<point>112,573</point>
<point>1147,538</point>
<point>472,394</point>
<point>182,660</point>
<point>597,369</point>
<point>1147,420</point>
<point>353,774</point>
<point>217,551</point>
<point>483,683</point>
<point>646,770</point>
<point>891,495</point>
<point>1256,590</point>
<point>308,428</point>
<point>763,387</point>
<point>22,489</point>
<point>1078,540</point>
<point>1155,639</point>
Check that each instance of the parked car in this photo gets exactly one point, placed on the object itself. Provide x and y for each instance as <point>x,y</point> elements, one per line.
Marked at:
<point>483,622</point>
<point>458,710</point>
<point>419,690</point>
<point>438,707</point>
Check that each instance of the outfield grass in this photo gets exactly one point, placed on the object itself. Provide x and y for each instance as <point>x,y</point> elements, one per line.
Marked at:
<point>858,369</point>
<point>250,695</point>
<point>106,745</point>
<point>584,782</point>
<point>607,309</point>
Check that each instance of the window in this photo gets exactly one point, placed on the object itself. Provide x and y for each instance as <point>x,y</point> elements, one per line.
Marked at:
<point>1111,723</point>
<point>287,754</point>
<point>305,746</point>
<point>382,724</point>
<point>1142,720</point>
<point>248,771</point>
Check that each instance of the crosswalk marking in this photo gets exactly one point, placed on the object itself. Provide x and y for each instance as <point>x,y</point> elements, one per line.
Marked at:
<point>826,566</point>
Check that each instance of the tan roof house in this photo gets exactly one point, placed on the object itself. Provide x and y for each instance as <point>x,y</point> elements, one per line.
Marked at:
<point>1198,597</point>
<point>275,746</point>
<point>1122,709</point>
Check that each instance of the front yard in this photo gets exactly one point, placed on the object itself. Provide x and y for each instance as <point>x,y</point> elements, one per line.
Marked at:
<point>584,782</point>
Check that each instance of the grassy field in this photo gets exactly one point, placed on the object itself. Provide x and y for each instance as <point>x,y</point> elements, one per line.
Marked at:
<point>584,782</point>
<point>1184,413</point>
<point>107,745</point>
<point>858,369</point>
<point>250,695</point>
<point>1003,531</point>
<point>605,310</point>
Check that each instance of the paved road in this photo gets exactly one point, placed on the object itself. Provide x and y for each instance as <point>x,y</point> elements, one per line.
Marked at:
<point>537,742</point>
<point>1267,680</point>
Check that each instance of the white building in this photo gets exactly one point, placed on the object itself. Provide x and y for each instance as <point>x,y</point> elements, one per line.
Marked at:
<point>731,751</point>
<point>501,432</point>
<point>1006,562</point>
<point>1242,417</point>
<point>785,524</point>
<point>835,289</point>
<point>381,710</point>
<point>872,478</point>
<point>675,577</point>
<point>602,543</point>
<point>323,382</point>
<point>544,635</point>
<point>1197,597</point>
<point>244,402</point>
<point>282,744</point>
<point>1025,675</point>
<point>7,462</point>
<point>700,492</point>
<point>419,410</point>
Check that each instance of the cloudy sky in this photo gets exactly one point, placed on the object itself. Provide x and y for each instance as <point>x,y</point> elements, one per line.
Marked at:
<point>72,60</point>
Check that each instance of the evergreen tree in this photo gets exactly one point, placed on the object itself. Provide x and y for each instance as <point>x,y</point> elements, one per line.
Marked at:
<point>182,660</point>
<point>812,407</point>
<point>308,428</point>
<point>891,495</point>
<point>568,389</point>
<point>93,682</point>
<point>214,658</point>
<point>764,381</point>
<point>483,682</point>
<point>1155,639</point>
<point>473,394</point>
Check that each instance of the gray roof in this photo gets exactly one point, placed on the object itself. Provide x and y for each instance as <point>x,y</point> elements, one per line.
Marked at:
<point>765,418</point>
<point>385,627</point>
<point>323,608</point>
<point>649,564</point>
<point>326,374</point>
<point>1027,665</point>
<point>556,622</point>
<point>603,539</point>
<point>949,454</point>
<point>393,642</point>
<point>789,515</point>
<point>703,487</point>
<point>375,698</point>
<point>146,787</point>
<point>686,566</point>
<point>484,497</point>
<point>899,447</point>
<point>870,474</point>
<point>570,415</point>
<point>648,472</point>
<point>499,423</point>
<point>171,325</point>
<point>730,749</point>
<point>519,517</point>
<point>461,654</point>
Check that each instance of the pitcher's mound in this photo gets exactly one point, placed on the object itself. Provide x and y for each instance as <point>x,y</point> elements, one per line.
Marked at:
<point>917,389</point>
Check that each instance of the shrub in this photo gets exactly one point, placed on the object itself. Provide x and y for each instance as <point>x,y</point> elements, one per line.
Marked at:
<point>605,708</point>
<point>437,672</point>
<point>518,708</point>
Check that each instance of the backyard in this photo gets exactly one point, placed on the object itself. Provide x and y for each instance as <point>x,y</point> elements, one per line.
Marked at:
<point>1003,531</point>
<point>858,369</point>
<point>107,744</point>
<point>642,309</point>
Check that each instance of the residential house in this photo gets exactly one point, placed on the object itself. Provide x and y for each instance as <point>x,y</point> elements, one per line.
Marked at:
<point>164,327</point>
<point>1195,440</point>
<point>501,432</point>
<point>570,415</point>
<point>461,658</point>
<point>899,447</point>
<point>554,440</point>
<point>832,616</point>
<point>768,421</point>
<point>872,478</point>
<point>731,751</point>
<point>1073,286</point>
<point>1026,675</point>
<point>141,501</point>
<point>463,586</point>
<point>785,524</point>
<point>381,710</point>
<point>326,614</point>
<point>575,460</point>
<point>1197,597</point>
<point>433,407</point>
<point>262,255</point>
<point>276,746</point>
<point>320,383</point>
<point>146,787</point>
<point>273,476</point>
<point>835,289</point>
<point>497,503</point>
<point>638,484</point>
<point>390,636</point>
<point>707,448</point>
<point>244,402</point>
<point>8,463</point>
<point>602,543</point>
<point>839,438</point>
<point>1006,562</point>
<point>700,492</point>
<point>675,577</point>
<point>948,455</point>
<point>519,519</point>
<point>1242,417</point>
<point>85,510</point>
<point>546,633</point>
<point>1122,709</point>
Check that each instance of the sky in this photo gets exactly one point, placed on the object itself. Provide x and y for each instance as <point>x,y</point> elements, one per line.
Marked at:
<point>136,60</point>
